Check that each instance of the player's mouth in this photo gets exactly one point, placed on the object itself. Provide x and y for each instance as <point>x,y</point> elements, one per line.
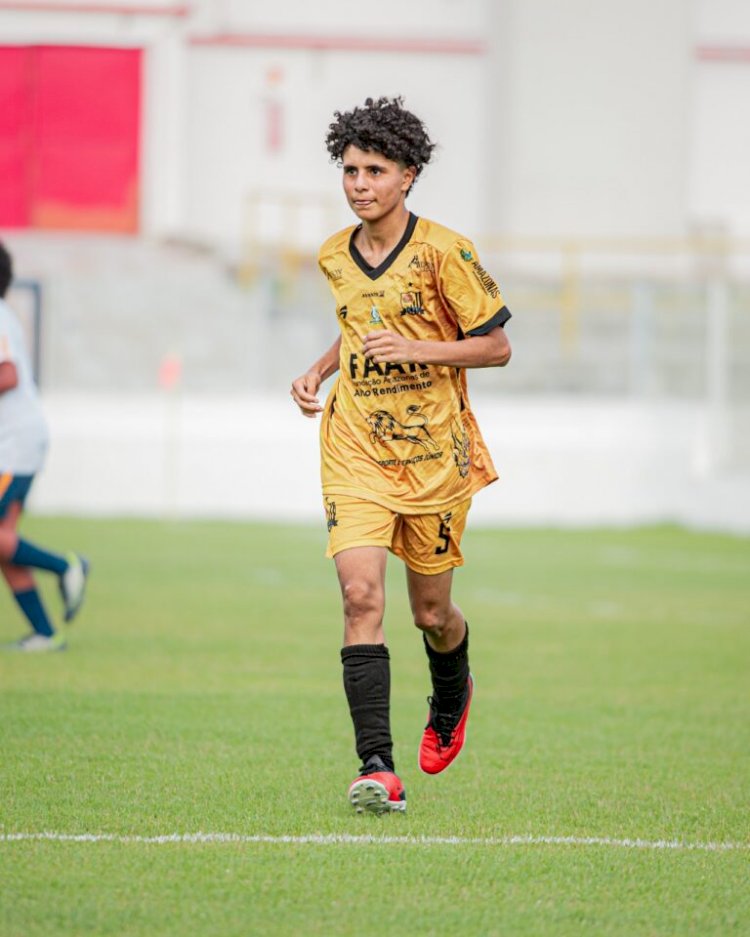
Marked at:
<point>363,202</point>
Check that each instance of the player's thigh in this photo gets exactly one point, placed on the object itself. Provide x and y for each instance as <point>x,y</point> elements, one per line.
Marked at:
<point>361,574</point>
<point>354,522</point>
<point>430,544</point>
<point>429,595</point>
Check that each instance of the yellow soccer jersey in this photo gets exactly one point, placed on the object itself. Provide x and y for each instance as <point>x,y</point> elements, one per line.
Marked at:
<point>403,435</point>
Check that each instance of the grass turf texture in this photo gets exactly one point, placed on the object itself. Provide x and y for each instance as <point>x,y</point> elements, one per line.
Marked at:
<point>202,692</point>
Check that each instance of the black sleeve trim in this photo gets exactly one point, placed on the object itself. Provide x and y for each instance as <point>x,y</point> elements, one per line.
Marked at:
<point>500,318</point>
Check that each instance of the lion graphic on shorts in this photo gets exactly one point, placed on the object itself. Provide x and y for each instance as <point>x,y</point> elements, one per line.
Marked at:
<point>385,428</point>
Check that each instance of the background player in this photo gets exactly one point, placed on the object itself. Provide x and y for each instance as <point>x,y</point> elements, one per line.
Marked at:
<point>401,453</point>
<point>23,446</point>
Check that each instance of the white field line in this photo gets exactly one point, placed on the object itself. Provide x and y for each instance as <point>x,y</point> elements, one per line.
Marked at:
<point>336,839</point>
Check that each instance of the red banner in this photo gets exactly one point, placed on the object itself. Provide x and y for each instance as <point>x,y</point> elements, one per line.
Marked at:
<point>69,137</point>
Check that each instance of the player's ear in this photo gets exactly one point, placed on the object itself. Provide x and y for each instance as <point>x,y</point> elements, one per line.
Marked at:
<point>410,174</point>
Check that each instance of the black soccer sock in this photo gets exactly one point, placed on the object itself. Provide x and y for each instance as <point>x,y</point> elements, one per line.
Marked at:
<point>450,674</point>
<point>367,684</point>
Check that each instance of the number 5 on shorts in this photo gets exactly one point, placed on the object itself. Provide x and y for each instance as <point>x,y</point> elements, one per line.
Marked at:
<point>444,534</point>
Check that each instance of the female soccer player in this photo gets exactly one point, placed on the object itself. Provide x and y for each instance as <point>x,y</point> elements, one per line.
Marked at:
<point>401,452</point>
<point>23,446</point>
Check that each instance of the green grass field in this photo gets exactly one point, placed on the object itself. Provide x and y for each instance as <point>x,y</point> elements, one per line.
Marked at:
<point>201,692</point>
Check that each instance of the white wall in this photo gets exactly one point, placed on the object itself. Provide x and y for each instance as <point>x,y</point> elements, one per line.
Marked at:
<point>719,189</point>
<point>719,196</point>
<point>722,21</point>
<point>388,18</point>
<point>594,131</point>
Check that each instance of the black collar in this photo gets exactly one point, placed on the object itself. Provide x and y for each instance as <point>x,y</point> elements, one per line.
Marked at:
<point>374,272</point>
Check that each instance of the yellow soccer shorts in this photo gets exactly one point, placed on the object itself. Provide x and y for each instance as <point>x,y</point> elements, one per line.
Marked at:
<point>427,543</point>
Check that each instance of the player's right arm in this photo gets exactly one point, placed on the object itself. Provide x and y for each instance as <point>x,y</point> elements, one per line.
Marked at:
<point>305,388</point>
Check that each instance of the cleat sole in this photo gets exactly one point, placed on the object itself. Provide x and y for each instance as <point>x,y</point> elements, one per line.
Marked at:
<point>368,796</point>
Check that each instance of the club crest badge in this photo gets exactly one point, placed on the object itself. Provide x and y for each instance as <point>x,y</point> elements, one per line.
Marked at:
<point>331,521</point>
<point>411,303</point>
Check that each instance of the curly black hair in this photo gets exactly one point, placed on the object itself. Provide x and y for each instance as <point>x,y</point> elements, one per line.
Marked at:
<point>6,270</point>
<point>382,126</point>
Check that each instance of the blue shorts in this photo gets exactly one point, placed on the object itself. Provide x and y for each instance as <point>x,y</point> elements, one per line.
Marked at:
<point>13,488</point>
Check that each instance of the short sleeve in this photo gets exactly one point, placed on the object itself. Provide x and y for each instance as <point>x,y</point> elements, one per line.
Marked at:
<point>470,291</point>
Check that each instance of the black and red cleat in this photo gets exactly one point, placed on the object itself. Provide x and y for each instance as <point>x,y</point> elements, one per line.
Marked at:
<point>377,789</point>
<point>444,734</point>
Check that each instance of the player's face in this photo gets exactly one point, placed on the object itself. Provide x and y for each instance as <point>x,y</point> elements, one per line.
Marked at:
<point>374,185</point>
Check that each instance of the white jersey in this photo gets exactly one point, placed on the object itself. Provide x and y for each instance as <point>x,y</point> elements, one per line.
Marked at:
<point>23,428</point>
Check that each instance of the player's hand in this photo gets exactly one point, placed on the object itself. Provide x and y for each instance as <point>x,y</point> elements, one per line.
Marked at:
<point>388,347</point>
<point>304,394</point>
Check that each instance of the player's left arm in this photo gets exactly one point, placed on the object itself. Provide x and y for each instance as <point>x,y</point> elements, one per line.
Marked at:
<point>489,350</point>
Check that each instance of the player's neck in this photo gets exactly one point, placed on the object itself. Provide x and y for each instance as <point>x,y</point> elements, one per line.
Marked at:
<point>376,239</point>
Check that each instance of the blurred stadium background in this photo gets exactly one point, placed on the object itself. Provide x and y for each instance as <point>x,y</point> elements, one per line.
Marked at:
<point>164,186</point>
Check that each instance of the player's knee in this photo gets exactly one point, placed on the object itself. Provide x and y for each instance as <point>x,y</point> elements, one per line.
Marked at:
<point>362,599</point>
<point>431,619</point>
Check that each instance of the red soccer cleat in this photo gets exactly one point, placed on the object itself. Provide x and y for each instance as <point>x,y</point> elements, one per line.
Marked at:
<point>377,790</point>
<point>444,734</point>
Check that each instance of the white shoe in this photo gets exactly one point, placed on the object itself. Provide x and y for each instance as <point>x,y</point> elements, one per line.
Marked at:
<point>38,643</point>
<point>73,584</point>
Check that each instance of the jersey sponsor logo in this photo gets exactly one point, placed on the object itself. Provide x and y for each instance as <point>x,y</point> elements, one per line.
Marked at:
<point>374,294</point>
<point>417,263</point>
<point>411,303</point>
<point>331,521</point>
<point>461,450</point>
<point>333,273</point>
<point>343,312</point>
<point>386,428</point>
<point>390,389</point>
<point>485,280</point>
<point>356,369</point>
